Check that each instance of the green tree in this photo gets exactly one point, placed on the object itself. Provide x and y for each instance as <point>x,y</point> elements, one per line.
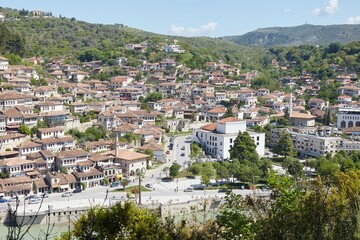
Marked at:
<point>285,145</point>
<point>174,170</point>
<point>120,221</point>
<point>233,221</point>
<point>229,113</point>
<point>153,97</point>
<point>24,129</point>
<point>208,172</point>
<point>124,182</point>
<point>244,148</point>
<point>195,149</point>
<point>195,169</point>
<point>106,181</point>
<point>293,166</point>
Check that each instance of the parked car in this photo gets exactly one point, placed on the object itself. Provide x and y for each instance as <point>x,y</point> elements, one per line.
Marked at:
<point>34,200</point>
<point>182,154</point>
<point>149,185</point>
<point>67,194</point>
<point>189,189</point>
<point>31,196</point>
<point>183,148</point>
<point>114,184</point>
<point>224,190</point>
<point>167,179</point>
<point>3,200</point>
<point>77,190</point>
<point>12,199</point>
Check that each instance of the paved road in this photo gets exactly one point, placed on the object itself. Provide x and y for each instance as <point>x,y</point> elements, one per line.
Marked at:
<point>164,193</point>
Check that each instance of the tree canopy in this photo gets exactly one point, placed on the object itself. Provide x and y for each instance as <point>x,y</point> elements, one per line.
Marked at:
<point>244,148</point>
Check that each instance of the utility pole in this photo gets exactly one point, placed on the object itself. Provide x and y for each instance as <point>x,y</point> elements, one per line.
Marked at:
<point>139,174</point>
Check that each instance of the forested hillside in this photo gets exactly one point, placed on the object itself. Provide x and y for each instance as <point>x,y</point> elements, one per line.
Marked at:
<point>299,35</point>
<point>67,37</point>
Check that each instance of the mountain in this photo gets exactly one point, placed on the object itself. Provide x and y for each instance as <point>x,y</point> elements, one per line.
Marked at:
<point>299,35</point>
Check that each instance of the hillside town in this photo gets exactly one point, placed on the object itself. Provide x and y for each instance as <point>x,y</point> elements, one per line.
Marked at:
<point>46,103</point>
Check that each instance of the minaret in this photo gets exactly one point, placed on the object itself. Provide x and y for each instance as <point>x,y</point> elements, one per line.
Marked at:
<point>116,146</point>
<point>290,105</point>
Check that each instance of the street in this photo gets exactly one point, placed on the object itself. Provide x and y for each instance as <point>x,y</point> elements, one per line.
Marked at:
<point>162,192</point>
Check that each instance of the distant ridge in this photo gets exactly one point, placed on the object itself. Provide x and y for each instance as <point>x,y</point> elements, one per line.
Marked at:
<point>299,35</point>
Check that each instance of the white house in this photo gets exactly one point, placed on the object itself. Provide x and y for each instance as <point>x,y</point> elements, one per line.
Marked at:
<point>50,132</point>
<point>132,162</point>
<point>218,138</point>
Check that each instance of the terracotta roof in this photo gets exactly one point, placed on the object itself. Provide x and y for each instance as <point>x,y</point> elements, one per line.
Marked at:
<point>53,129</point>
<point>152,146</point>
<point>17,161</point>
<point>316,100</point>
<point>217,110</point>
<point>67,178</point>
<point>352,129</point>
<point>54,113</point>
<point>11,136</point>
<point>98,157</point>
<point>126,127</point>
<point>130,155</point>
<point>12,95</point>
<point>47,153</point>
<point>302,115</point>
<point>72,153</point>
<point>99,143</point>
<point>17,180</point>
<point>85,163</point>
<point>13,113</point>
<point>41,183</point>
<point>166,100</point>
<point>210,127</point>
<point>229,119</point>
<point>55,140</point>
<point>29,144</point>
<point>92,172</point>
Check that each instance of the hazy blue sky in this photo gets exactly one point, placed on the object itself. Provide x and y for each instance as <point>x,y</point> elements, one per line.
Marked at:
<point>200,17</point>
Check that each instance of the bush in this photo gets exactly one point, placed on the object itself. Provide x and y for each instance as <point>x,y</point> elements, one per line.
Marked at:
<point>83,186</point>
<point>195,169</point>
<point>106,181</point>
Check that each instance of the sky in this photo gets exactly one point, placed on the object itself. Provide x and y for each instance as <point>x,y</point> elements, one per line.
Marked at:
<point>200,17</point>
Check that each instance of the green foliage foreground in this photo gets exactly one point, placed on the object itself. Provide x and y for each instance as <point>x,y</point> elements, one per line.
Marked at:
<point>327,208</point>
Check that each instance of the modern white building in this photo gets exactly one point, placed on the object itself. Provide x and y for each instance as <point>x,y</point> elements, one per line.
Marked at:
<point>312,144</point>
<point>218,138</point>
<point>348,117</point>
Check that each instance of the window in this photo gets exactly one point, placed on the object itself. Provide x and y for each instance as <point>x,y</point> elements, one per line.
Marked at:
<point>231,140</point>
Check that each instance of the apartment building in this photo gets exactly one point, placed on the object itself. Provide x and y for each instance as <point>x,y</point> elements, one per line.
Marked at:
<point>312,144</point>
<point>348,117</point>
<point>218,138</point>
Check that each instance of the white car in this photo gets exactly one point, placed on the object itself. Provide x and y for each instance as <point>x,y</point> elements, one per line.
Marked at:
<point>189,189</point>
<point>34,200</point>
<point>67,194</point>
